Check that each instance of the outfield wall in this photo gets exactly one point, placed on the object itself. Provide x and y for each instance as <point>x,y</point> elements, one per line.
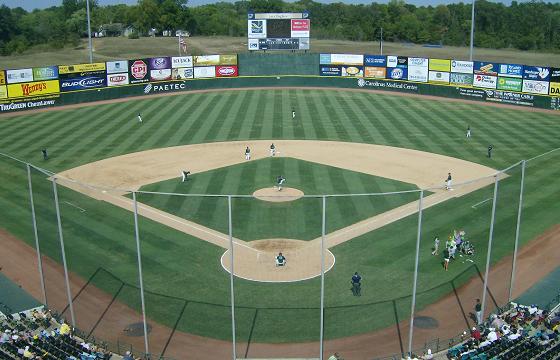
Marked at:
<point>28,89</point>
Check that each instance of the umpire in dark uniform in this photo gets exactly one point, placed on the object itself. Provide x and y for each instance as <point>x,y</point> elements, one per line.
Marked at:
<point>356,284</point>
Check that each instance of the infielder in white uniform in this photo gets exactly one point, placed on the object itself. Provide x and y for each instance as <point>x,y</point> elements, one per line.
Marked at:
<point>247,153</point>
<point>139,118</point>
<point>272,150</point>
<point>448,182</point>
<point>185,175</point>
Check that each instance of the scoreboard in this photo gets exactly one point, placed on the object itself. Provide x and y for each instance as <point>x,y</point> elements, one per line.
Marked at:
<point>278,31</point>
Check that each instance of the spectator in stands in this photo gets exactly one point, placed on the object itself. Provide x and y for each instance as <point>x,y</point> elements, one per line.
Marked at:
<point>476,335</point>
<point>514,335</point>
<point>5,336</point>
<point>428,355</point>
<point>335,356</point>
<point>128,356</point>
<point>64,329</point>
<point>478,311</point>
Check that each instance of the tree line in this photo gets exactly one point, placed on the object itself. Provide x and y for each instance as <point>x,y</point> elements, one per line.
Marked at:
<point>531,25</point>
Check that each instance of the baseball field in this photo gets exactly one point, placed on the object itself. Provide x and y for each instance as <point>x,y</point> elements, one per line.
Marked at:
<point>341,142</point>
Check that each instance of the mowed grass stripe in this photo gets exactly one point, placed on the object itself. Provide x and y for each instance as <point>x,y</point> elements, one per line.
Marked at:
<point>239,116</point>
<point>340,121</point>
<point>231,118</point>
<point>210,130</point>
<point>317,122</point>
<point>361,123</point>
<point>377,118</point>
<point>259,114</point>
<point>185,128</point>
<point>346,114</point>
<point>177,120</point>
<point>278,119</point>
<point>198,118</point>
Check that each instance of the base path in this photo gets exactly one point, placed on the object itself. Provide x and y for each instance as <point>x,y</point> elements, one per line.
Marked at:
<point>110,179</point>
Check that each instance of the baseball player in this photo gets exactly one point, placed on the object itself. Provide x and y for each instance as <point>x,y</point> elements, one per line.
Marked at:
<point>247,153</point>
<point>185,175</point>
<point>468,131</point>
<point>490,148</point>
<point>293,113</point>
<point>436,246</point>
<point>280,260</point>
<point>45,154</point>
<point>448,182</point>
<point>279,181</point>
<point>272,149</point>
<point>140,118</point>
<point>356,284</point>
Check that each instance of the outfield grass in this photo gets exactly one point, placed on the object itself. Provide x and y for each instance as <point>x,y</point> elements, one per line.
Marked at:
<point>106,49</point>
<point>178,265</point>
<point>268,220</point>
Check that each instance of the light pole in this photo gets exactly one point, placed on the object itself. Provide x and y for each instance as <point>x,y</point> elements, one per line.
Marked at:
<point>472,32</point>
<point>89,33</point>
<point>381,42</point>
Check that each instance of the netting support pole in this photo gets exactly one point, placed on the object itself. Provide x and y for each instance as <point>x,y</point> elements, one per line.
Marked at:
<point>323,231</point>
<point>511,283</point>
<point>490,238</point>
<point>230,232</point>
<point>61,238</point>
<point>140,279</point>
<point>36,234</point>
<point>414,283</point>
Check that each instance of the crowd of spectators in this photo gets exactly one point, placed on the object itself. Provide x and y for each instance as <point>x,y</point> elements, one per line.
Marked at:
<point>37,335</point>
<point>521,332</point>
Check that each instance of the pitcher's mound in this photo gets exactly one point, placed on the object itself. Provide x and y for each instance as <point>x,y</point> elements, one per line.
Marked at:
<point>255,260</point>
<point>271,194</point>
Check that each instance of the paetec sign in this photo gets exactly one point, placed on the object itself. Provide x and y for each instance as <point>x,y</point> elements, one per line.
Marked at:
<point>138,71</point>
<point>165,87</point>
<point>115,67</point>
<point>19,76</point>
<point>226,71</point>
<point>510,70</point>
<point>463,67</point>
<point>485,81</point>
<point>33,89</point>
<point>375,60</point>
<point>181,61</point>
<point>92,81</point>
<point>510,84</point>
<point>536,73</point>
<point>117,79</point>
<point>45,73</point>
<point>182,73</point>
<point>79,68</point>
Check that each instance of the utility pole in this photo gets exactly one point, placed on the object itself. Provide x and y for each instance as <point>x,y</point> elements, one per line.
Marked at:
<point>89,33</point>
<point>472,32</point>
<point>381,43</point>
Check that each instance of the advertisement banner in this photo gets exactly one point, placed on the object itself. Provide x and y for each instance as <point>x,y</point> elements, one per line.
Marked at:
<point>536,73</point>
<point>227,71</point>
<point>330,70</point>
<point>2,77</point>
<point>256,29</point>
<point>160,75</point>
<point>461,79</point>
<point>535,87</point>
<point>19,76</point>
<point>181,62</point>
<point>397,73</point>
<point>117,79</point>
<point>419,62</point>
<point>440,77</point>
<point>207,60</point>
<point>138,71</point>
<point>388,85</point>
<point>504,97</point>
<point>463,67</point>
<point>485,81</point>
<point>554,75</point>
<point>33,88</point>
<point>486,68</point>
<point>205,72</point>
<point>555,88</point>
<point>300,28</point>
<point>402,61</point>
<point>303,43</point>
<point>93,79</point>
<point>352,70</point>
<point>115,67</point>
<point>45,73</point>
<point>510,70</point>
<point>511,84</point>
<point>346,59</point>
<point>325,59</point>
<point>376,72</point>
<point>182,73</point>
<point>228,59</point>
<point>23,105</point>
<point>418,73</point>
<point>440,65</point>
<point>70,69</point>
<point>392,61</point>
<point>3,92</point>
<point>159,63</point>
<point>375,60</point>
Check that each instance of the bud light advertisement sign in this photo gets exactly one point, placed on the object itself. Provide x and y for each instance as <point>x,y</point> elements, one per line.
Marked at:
<point>90,80</point>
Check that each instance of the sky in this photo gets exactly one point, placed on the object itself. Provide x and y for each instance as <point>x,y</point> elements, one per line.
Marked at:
<point>32,4</point>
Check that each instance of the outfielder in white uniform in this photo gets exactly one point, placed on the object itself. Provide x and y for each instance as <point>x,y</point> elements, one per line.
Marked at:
<point>293,114</point>
<point>448,182</point>
<point>272,150</point>
<point>468,131</point>
<point>247,153</point>
<point>139,118</point>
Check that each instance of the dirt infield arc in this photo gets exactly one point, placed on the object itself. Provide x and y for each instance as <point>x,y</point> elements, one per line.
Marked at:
<point>129,172</point>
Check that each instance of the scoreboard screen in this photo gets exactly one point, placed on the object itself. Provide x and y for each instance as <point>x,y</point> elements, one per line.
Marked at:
<point>278,31</point>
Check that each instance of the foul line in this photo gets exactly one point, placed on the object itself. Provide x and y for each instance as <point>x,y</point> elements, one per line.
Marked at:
<point>482,202</point>
<point>74,205</point>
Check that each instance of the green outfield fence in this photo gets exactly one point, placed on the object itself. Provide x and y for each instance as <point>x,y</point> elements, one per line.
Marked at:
<point>129,309</point>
